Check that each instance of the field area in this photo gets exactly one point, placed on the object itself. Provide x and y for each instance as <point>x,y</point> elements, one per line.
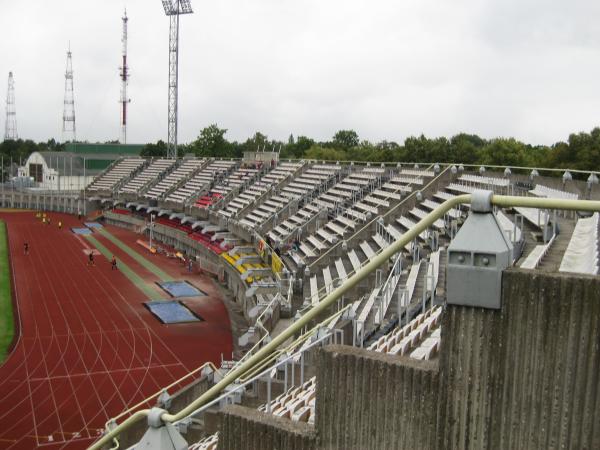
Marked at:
<point>6,312</point>
<point>88,348</point>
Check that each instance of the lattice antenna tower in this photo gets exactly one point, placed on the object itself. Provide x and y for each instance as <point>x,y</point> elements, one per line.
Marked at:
<point>124,73</point>
<point>10,126</point>
<point>173,9</point>
<point>68,130</point>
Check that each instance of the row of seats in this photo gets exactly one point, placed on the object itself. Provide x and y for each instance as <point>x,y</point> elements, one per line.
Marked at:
<point>299,187</point>
<point>201,180</point>
<point>419,339</point>
<point>207,239</point>
<point>185,169</point>
<point>581,255</point>
<point>484,181</point>
<point>544,191</point>
<point>207,443</point>
<point>297,403</point>
<point>243,268</point>
<point>349,190</point>
<point>235,180</point>
<point>534,258</point>
<point>259,188</point>
<point>150,173</point>
<point>119,172</point>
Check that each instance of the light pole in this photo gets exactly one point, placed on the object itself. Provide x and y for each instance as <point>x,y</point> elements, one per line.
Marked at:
<point>151,230</point>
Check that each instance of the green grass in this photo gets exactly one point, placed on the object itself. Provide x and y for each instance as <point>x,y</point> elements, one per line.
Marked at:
<point>7,327</point>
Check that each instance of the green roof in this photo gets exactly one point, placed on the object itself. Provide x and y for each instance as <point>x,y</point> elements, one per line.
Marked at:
<point>106,149</point>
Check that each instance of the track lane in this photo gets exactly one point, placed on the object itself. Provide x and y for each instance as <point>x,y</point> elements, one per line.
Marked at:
<point>66,335</point>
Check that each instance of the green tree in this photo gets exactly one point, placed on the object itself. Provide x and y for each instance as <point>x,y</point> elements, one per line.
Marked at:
<point>345,139</point>
<point>211,142</point>
<point>324,153</point>
<point>297,150</point>
<point>154,150</point>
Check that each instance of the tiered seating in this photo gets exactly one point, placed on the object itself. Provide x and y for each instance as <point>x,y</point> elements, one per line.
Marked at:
<point>208,443</point>
<point>281,172</point>
<point>481,181</point>
<point>535,216</point>
<point>299,187</point>
<point>420,339</point>
<point>297,403</point>
<point>535,257</point>
<point>187,167</point>
<point>204,201</point>
<point>174,223</point>
<point>119,172</point>
<point>431,205</point>
<point>207,239</point>
<point>148,174</point>
<point>201,180</point>
<point>243,268</point>
<point>341,224</point>
<point>581,255</point>
<point>240,177</point>
<point>391,192</point>
<point>543,191</point>
<point>257,190</point>
<point>509,227</point>
<point>462,188</point>
<point>417,172</point>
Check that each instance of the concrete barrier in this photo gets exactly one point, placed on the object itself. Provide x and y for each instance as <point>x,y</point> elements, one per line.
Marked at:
<point>249,429</point>
<point>526,376</point>
<point>369,400</point>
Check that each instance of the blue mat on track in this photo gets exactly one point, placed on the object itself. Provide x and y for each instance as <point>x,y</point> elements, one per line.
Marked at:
<point>171,312</point>
<point>93,225</point>
<point>180,289</point>
<point>81,230</point>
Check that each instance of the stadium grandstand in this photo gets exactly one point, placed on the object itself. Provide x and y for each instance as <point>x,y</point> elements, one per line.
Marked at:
<point>325,305</point>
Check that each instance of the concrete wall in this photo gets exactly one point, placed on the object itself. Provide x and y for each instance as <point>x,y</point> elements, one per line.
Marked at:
<point>527,376</point>
<point>523,377</point>
<point>249,429</point>
<point>369,400</point>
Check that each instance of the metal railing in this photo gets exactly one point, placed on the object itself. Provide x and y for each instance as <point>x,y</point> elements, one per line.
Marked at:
<point>330,299</point>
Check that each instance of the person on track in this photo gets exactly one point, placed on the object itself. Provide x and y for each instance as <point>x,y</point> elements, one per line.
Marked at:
<point>91,258</point>
<point>59,225</point>
<point>113,263</point>
<point>26,248</point>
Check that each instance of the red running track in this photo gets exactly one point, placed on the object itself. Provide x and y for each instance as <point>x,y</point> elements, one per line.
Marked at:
<point>87,348</point>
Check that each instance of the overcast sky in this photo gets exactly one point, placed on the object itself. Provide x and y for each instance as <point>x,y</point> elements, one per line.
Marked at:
<point>385,68</point>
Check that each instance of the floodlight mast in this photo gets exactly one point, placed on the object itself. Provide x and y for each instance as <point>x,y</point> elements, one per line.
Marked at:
<point>174,8</point>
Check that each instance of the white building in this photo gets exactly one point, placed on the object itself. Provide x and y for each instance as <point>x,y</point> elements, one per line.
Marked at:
<point>63,171</point>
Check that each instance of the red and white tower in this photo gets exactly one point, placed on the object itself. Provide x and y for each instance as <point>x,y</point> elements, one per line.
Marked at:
<point>124,73</point>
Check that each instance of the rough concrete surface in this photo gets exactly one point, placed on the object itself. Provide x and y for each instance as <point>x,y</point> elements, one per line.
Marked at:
<point>250,429</point>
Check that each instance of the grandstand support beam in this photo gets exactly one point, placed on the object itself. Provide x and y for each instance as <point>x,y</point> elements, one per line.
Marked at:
<point>330,299</point>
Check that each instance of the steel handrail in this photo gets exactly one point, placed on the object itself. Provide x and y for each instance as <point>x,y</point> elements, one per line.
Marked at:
<point>330,299</point>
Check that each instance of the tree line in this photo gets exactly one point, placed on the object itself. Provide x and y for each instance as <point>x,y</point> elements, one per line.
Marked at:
<point>580,151</point>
